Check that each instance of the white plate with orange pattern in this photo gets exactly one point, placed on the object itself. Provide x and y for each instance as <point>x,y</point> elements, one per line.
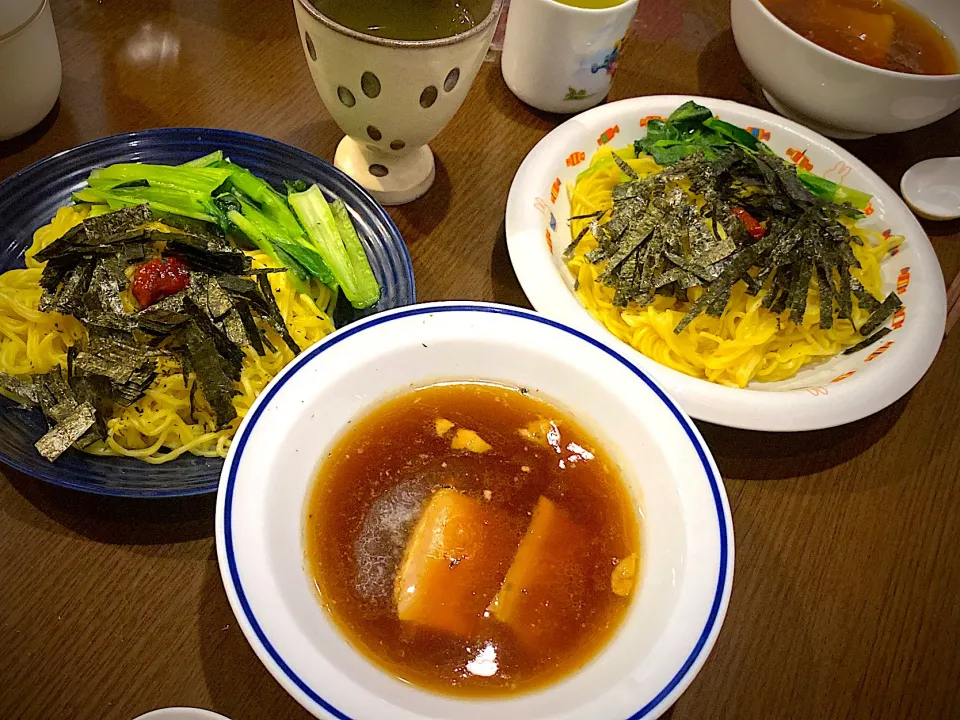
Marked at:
<point>840,390</point>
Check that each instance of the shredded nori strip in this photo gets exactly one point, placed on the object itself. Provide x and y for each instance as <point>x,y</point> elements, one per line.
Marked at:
<point>227,305</point>
<point>134,252</point>
<point>660,239</point>
<point>189,225</point>
<point>826,298</point>
<point>65,244</point>
<point>66,432</point>
<point>720,287</point>
<point>217,386</point>
<point>569,250</point>
<point>799,290</point>
<point>163,316</point>
<point>23,387</point>
<point>589,216</point>
<point>129,392</point>
<point>864,299</point>
<point>53,390</point>
<point>274,316</point>
<point>207,253</point>
<point>844,298</point>
<point>249,326</point>
<point>69,300</point>
<point>110,357</point>
<point>106,283</point>
<point>95,392</point>
<point>104,228</point>
<point>625,168</point>
<point>886,309</point>
<point>881,333</point>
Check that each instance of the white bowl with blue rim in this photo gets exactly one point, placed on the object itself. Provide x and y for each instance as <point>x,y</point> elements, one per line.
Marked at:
<point>837,391</point>
<point>687,533</point>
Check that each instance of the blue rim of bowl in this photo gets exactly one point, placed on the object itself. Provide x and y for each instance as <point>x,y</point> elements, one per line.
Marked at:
<point>702,453</point>
<point>72,160</point>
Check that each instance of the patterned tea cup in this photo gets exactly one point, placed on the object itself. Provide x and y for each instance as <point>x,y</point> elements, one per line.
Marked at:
<point>391,97</point>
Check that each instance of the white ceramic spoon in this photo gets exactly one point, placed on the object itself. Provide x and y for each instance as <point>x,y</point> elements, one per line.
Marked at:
<point>932,188</point>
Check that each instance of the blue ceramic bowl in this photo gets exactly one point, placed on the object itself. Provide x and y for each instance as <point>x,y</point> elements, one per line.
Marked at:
<point>30,199</point>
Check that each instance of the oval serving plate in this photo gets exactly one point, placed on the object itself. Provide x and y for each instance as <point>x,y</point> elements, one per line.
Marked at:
<point>30,198</point>
<point>840,390</point>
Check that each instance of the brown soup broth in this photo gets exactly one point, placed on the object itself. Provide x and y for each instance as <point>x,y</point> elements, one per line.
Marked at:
<point>358,523</point>
<point>882,33</point>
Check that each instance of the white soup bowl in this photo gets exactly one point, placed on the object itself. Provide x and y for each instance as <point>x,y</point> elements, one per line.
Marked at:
<point>686,528</point>
<point>837,96</point>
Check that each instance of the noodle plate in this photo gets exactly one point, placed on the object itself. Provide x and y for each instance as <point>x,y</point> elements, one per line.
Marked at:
<point>158,427</point>
<point>748,341</point>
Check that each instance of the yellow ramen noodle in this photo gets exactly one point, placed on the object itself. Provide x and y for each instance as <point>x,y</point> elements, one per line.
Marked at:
<point>158,427</point>
<point>748,342</point>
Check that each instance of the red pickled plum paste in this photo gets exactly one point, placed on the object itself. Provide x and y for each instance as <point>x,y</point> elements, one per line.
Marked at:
<point>159,278</point>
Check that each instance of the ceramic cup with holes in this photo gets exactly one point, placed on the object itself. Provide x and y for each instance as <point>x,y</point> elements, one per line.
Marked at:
<point>561,58</point>
<point>30,71</point>
<point>391,97</point>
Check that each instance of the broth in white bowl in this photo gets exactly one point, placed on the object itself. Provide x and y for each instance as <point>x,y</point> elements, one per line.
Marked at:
<point>685,545</point>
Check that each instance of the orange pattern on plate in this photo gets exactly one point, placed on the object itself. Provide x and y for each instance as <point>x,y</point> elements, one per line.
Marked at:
<point>608,135</point>
<point>898,317</point>
<point>903,280</point>
<point>800,159</point>
<point>555,190</point>
<point>759,133</point>
<point>879,351</point>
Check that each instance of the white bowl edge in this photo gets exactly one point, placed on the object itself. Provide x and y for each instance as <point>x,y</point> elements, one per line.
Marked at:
<point>811,400</point>
<point>405,702</point>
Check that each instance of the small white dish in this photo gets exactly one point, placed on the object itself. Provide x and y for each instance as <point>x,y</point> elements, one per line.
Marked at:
<point>837,96</point>
<point>181,713</point>
<point>840,390</point>
<point>687,531</point>
<point>932,188</point>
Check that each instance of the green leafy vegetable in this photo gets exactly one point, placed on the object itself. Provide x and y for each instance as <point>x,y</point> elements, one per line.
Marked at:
<point>828,190</point>
<point>161,199</point>
<point>205,161</point>
<point>212,189</point>
<point>198,179</point>
<point>270,202</point>
<point>338,245</point>
<point>692,129</point>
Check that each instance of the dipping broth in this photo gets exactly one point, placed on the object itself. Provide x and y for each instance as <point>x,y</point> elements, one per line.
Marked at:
<point>472,540</point>
<point>882,33</point>
<point>405,20</point>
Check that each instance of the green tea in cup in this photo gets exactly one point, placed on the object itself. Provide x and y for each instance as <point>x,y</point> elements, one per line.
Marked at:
<point>407,19</point>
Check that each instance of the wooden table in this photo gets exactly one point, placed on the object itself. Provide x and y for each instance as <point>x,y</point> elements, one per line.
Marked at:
<point>845,600</point>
